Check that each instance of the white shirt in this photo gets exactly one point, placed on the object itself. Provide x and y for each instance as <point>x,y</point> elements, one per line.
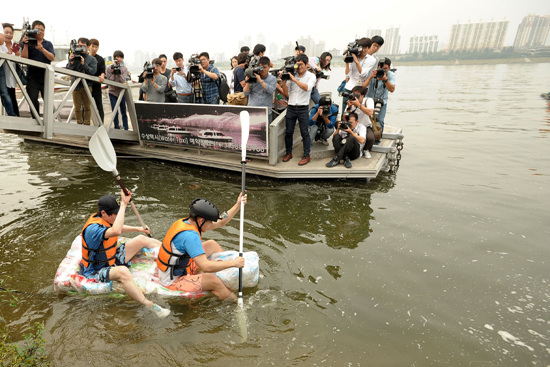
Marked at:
<point>296,95</point>
<point>360,130</point>
<point>363,117</point>
<point>355,79</point>
<point>10,79</point>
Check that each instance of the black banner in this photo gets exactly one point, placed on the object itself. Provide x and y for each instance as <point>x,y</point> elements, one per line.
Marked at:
<point>204,126</point>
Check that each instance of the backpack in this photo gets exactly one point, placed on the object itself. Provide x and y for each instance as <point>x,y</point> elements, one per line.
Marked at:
<point>223,87</point>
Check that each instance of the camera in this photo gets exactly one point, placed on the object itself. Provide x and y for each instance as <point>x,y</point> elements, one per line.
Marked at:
<point>321,75</point>
<point>115,68</point>
<point>177,68</point>
<point>344,124</point>
<point>30,33</point>
<point>378,104</point>
<point>349,95</point>
<point>289,68</point>
<point>77,50</point>
<point>149,70</point>
<point>253,68</point>
<point>325,105</point>
<point>194,70</point>
<point>353,48</point>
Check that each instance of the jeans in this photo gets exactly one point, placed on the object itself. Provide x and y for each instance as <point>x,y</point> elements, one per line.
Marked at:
<point>325,135</point>
<point>382,115</point>
<point>113,100</point>
<point>98,98</point>
<point>185,99</point>
<point>351,148</point>
<point>299,113</point>
<point>80,98</point>
<point>4,95</point>
<point>315,96</point>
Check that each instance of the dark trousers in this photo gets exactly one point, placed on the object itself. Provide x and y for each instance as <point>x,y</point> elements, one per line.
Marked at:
<point>370,139</point>
<point>299,114</point>
<point>98,98</point>
<point>13,97</point>
<point>351,148</point>
<point>4,94</point>
<point>34,87</point>
<point>113,100</point>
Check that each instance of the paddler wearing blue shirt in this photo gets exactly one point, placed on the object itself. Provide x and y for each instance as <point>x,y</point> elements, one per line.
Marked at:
<point>183,262</point>
<point>103,260</point>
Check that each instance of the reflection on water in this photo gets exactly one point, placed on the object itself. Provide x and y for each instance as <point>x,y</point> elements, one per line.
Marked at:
<point>444,263</point>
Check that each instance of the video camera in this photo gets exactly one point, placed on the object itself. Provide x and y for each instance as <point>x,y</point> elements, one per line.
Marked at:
<point>77,50</point>
<point>149,70</point>
<point>194,70</point>
<point>30,33</point>
<point>353,48</point>
<point>253,68</point>
<point>289,68</point>
<point>115,68</point>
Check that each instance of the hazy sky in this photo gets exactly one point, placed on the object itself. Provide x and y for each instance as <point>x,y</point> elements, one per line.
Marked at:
<point>195,26</point>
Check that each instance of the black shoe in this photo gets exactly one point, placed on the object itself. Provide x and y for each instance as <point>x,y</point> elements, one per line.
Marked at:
<point>347,162</point>
<point>334,162</point>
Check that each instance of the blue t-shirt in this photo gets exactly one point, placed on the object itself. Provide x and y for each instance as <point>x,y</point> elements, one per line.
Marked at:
<point>188,242</point>
<point>331,116</point>
<point>93,235</point>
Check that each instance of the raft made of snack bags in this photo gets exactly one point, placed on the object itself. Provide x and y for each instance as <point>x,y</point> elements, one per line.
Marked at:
<point>68,280</point>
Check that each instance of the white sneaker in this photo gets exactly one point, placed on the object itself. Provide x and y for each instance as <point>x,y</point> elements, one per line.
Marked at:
<point>366,154</point>
<point>324,142</point>
<point>159,311</point>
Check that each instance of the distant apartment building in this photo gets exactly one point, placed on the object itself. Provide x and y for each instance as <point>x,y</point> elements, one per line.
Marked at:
<point>373,32</point>
<point>421,44</point>
<point>392,41</point>
<point>532,32</point>
<point>478,36</point>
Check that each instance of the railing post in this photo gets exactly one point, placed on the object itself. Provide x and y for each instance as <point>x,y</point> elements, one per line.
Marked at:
<point>49,80</point>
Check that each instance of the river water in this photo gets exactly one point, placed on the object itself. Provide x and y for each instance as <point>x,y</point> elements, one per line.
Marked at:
<point>444,263</point>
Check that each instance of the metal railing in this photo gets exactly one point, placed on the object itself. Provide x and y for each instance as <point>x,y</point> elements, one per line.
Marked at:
<point>50,122</point>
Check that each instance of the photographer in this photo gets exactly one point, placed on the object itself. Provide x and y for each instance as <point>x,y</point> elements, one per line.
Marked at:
<point>4,93</point>
<point>238,73</point>
<point>100,73</point>
<point>80,61</point>
<point>364,108</point>
<point>318,65</point>
<point>298,90</point>
<point>380,82</point>
<point>42,51</point>
<point>155,83</point>
<point>348,141</point>
<point>322,119</point>
<point>260,93</point>
<point>209,79</point>
<point>117,72</point>
<point>361,63</point>
<point>178,79</point>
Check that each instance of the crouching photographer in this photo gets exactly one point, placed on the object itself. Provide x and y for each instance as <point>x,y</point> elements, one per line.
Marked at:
<point>380,83</point>
<point>364,108</point>
<point>348,140</point>
<point>322,119</point>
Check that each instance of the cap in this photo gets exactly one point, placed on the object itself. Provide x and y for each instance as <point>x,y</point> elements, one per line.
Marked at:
<point>109,203</point>
<point>301,48</point>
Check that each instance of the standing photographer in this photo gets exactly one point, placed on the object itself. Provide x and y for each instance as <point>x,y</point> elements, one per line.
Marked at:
<point>80,61</point>
<point>43,52</point>
<point>348,141</point>
<point>178,79</point>
<point>100,73</point>
<point>209,79</point>
<point>322,119</point>
<point>380,82</point>
<point>298,90</point>
<point>364,108</point>
<point>238,73</point>
<point>117,72</point>
<point>260,93</point>
<point>318,65</point>
<point>155,83</point>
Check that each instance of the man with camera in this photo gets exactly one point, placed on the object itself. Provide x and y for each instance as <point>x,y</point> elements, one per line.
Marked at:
<point>117,72</point>
<point>298,91</point>
<point>100,73</point>
<point>80,61</point>
<point>40,50</point>
<point>359,62</point>
<point>178,79</point>
<point>380,83</point>
<point>155,83</point>
<point>364,108</point>
<point>348,140</point>
<point>260,86</point>
<point>209,79</point>
<point>322,119</point>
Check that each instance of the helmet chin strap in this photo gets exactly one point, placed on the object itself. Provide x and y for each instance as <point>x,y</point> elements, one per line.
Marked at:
<point>200,225</point>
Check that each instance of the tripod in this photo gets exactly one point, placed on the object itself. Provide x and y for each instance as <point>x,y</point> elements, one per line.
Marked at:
<point>198,92</point>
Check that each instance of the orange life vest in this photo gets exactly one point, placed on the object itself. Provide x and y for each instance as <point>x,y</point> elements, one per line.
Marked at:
<point>166,256</point>
<point>108,246</point>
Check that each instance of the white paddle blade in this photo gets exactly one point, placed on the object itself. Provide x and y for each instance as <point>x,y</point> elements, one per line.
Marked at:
<point>103,151</point>
<point>245,127</point>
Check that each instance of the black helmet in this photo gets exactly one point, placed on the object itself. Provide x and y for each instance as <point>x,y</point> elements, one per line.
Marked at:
<point>205,209</point>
